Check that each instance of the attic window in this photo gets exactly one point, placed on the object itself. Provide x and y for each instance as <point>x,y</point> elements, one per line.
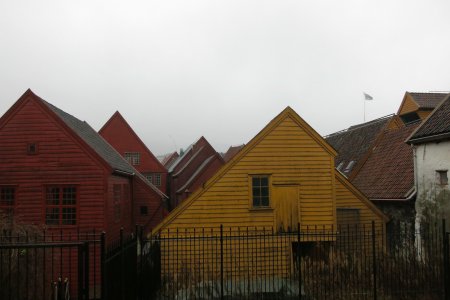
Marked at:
<point>410,117</point>
<point>339,167</point>
<point>31,148</point>
<point>442,177</point>
<point>133,158</point>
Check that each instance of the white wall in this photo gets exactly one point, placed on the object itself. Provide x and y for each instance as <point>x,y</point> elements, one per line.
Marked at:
<point>432,198</point>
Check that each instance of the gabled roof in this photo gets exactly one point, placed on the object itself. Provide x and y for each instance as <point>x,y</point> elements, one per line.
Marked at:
<point>187,155</point>
<point>436,127</point>
<point>87,135</point>
<point>353,143</point>
<point>231,152</point>
<point>118,116</point>
<point>168,159</point>
<point>286,113</point>
<point>93,139</point>
<point>388,171</point>
<point>428,100</point>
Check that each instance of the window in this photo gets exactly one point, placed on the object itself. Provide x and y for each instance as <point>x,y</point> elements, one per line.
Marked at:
<point>144,210</point>
<point>157,180</point>
<point>32,148</point>
<point>149,178</point>
<point>61,204</point>
<point>117,196</point>
<point>260,191</point>
<point>133,158</point>
<point>441,177</point>
<point>7,199</point>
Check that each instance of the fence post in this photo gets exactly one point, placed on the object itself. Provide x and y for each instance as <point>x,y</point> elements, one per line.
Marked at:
<point>374,262</point>
<point>221,261</point>
<point>122,288</point>
<point>80,272</point>
<point>445,242</point>
<point>299,263</point>
<point>86,270</point>
<point>104,295</point>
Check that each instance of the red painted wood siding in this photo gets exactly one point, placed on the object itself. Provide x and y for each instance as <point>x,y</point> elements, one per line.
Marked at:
<point>60,160</point>
<point>119,134</point>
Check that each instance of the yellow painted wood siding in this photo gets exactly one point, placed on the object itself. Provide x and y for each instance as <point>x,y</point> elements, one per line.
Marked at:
<point>290,155</point>
<point>409,105</point>
<point>423,114</point>
<point>346,198</point>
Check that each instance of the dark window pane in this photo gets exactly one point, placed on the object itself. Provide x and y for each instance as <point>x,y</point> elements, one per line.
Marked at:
<point>52,216</point>
<point>256,192</point>
<point>256,181</point>
<point>7,196</point>
<point>264,201</point>
<point>265,191</point>
<point>69,216</point>
<point>264,181</point>
<point>52,196</point>
<point>69,196</point>
<point>144,210</point>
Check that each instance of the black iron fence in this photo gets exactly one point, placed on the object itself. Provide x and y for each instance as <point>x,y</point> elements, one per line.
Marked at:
<point>347,262</point>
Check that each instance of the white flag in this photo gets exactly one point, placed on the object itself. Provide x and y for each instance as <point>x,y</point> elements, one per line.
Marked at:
<point>367,97</point>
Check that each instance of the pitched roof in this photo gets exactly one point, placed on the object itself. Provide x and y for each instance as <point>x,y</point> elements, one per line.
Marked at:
<point>428,100</point>
<point>118,116</point>
<point>93,140</point>
<point>388,171</point>
<point>286,113</point>
<point>168,159</point>
<point>231,152</point>
<point>436,126</point>
<point>353,143</point>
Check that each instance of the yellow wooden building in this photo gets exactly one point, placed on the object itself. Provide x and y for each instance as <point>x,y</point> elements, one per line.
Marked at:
<point>284,176</point>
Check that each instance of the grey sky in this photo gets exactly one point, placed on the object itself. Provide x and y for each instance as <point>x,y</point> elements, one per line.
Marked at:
<point>177,70</point>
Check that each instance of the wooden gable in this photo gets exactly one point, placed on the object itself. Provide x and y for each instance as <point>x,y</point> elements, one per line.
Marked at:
<point>124,139</point>
<point>408,105</point>
<point>292,155</point>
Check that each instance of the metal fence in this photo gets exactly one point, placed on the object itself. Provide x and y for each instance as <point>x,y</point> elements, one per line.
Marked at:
<point>347,262</point>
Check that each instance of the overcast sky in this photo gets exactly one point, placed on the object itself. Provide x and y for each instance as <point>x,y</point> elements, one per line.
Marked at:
<point>177,70</point>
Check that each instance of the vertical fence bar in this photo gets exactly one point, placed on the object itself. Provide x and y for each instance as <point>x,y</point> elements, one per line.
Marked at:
<point>122,263</point>
<point>299,263</point>
<point>80,272</point>
<point>374,263</point>
<point>221,261</point>
<point>86,270</point>
<point>103,291</point>
<point>445,242</point>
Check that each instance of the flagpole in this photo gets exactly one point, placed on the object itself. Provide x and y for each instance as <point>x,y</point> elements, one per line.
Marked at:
<point>364,109</point>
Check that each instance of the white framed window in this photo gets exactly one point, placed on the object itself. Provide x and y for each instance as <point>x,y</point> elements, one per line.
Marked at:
<point>133,158</point>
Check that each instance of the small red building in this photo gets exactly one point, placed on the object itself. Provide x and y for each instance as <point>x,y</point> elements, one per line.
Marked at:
<point>191,169</point>
<point>118,133</point>
<point>57,171</point>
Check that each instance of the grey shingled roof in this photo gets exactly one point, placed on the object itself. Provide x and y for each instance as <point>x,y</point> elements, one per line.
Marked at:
<point>436,126</point>
<point>94,140</point>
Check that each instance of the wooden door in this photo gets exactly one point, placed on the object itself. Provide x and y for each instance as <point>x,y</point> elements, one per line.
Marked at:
<point>285,200</point>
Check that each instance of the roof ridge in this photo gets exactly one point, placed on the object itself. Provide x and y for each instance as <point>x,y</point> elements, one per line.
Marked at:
<point>361,125</point>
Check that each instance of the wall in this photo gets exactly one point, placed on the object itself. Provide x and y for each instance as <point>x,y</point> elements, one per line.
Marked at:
<point>433,199</point>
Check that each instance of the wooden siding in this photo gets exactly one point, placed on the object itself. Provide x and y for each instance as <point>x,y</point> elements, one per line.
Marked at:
<point>60,160</point>
<point>125,220</point>
<point>408,105</point>
<point>290,155</point>
<point>348,197</point>
<point>423,114</point>
<point>122,137</point>
<point>143,195</point>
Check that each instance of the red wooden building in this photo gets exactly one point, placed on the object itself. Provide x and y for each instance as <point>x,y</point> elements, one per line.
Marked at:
<point>191,169</point>
<point>118,133</point>
<point>57,171</point>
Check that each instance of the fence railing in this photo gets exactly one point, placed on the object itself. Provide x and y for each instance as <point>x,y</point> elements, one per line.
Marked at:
<point>347,262</point>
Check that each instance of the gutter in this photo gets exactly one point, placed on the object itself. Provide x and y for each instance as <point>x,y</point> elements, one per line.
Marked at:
<point>120,172</point>
<point>412,193</point>
<point>429,138</point>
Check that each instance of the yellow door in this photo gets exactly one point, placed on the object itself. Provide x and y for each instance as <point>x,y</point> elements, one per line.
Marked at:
<point>285,204</point>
